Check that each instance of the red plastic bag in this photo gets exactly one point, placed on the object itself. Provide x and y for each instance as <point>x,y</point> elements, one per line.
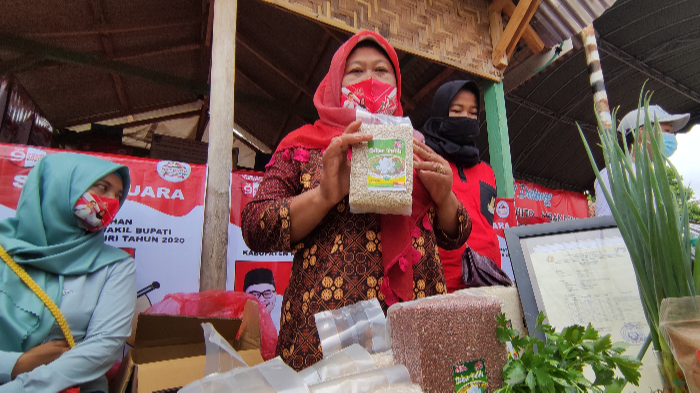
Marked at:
<point>216,303</point>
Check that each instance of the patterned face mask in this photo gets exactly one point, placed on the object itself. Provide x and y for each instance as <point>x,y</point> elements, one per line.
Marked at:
<point>374,96</point>
<point>93,212</point>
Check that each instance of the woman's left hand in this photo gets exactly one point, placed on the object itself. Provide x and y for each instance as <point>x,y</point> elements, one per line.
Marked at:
<point>39,356</point>
<point>433,171</point>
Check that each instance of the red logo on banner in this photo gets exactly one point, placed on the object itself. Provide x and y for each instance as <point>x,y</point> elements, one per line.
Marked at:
<point>505,216</point>
<point>23,156</point>
<point>174,171</point>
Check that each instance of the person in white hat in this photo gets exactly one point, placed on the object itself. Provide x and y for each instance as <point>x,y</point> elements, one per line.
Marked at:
<point>670,126</point>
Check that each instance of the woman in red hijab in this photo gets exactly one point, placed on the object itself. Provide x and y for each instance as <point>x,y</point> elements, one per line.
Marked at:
<point>302,206</point>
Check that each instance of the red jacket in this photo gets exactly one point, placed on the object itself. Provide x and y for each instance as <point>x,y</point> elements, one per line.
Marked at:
<point>477,192</point>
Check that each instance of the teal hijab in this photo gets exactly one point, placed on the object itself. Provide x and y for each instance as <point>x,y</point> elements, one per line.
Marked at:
<point>45,240</point>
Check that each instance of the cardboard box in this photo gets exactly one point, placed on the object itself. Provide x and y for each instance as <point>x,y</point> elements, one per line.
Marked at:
<point>169,350</point>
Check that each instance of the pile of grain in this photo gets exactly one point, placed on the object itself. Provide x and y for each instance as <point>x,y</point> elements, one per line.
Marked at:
<point>383,359</point>
<point>433,335</point>
<point>509,299</point>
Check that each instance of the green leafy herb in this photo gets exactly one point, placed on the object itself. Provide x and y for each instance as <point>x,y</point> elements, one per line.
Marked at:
<point>558,364</point>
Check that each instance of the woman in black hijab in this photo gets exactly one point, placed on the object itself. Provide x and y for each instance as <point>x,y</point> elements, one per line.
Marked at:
<point>451,131</point>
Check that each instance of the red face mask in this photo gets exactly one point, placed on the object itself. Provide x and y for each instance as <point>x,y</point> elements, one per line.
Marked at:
<point>372,95</point>
<point>94,212</point>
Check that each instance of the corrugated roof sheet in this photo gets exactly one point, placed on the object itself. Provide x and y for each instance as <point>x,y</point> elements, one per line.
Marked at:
<point>558,20</point>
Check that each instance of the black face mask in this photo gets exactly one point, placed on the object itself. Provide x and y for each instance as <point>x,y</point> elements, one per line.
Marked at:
<point>453,138</point>
<point>459,130</point>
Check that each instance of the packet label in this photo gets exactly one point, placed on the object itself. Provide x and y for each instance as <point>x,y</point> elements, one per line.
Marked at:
<point>470,377</point>
<point>387,165</point>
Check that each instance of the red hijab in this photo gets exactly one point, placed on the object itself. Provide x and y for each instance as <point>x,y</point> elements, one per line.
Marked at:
<point>398,253</point>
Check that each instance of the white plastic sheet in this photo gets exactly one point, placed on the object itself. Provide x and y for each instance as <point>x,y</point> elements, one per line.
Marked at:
<point>365,382</point>
<point>351,360</point>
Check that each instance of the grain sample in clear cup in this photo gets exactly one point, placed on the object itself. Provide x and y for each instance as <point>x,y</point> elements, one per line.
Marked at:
<point>381,172</point>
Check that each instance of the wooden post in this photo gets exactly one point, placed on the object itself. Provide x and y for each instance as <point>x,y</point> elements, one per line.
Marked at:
<point>595,71</point>
<point>212,274</point>
<point>499,142</point>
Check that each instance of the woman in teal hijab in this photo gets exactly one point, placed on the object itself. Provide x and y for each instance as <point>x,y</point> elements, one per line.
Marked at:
<point>64,253</point>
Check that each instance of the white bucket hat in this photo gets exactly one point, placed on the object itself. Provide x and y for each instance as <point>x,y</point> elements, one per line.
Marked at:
<point>655,112</point>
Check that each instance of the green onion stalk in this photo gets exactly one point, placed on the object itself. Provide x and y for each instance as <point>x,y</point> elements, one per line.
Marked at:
<point>654,227</point>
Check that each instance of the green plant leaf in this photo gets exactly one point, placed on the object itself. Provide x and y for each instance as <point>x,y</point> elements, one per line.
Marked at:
<point>603,375</point>
<point>590,333</point>
<point>603,343</point>
<point>619,347</point>
<point>540,319</point>
<point>629,367</point>
<point>514,373</point>
<point>616,386</point>
<point>530,381</point>
<point>543,378</point>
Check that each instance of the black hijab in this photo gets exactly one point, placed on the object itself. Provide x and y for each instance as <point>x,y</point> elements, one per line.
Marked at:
<point>453,137</point>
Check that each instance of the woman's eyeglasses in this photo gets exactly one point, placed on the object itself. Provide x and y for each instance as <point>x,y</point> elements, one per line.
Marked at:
<point>265,294</point>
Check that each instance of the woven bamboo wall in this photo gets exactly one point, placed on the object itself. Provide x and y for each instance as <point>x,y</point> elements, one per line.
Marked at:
<point>453,32</point>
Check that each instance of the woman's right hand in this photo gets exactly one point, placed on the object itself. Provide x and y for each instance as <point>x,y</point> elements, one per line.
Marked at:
<point>308,209</point>
<point>335,174</point>
<point>39,356</point>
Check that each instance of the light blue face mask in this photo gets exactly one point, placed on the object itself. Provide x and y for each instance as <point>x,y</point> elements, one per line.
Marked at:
<point>671,143</point>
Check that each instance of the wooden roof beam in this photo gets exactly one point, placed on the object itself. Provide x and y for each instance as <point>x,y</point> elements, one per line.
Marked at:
<point>175,116</point>
<point>408,104</point>
<point>106,29</point>
<point>309,71</point>
<point>161,52</point>
<point>332,33</point>
<point>257,53</point>
<point>247,138</point>
<point>518,23</point>
<point>429,87</point>
<point>109,51</point>
<point>23,45</point>
<point>648,70</point>
<point>35,61</point>
<point>269,101</point>
<point>208,28</point>
<point>204,119</point>
<point>530,37</point>
<point>20,64</point>
<point>96,118</point>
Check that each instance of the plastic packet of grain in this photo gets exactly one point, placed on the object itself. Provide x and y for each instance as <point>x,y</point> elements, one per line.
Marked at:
<point>361,323</point>
<point>381,171</point>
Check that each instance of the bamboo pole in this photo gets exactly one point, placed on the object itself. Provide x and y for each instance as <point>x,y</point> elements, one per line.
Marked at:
<point>595,71</point>
<point>212,273</point>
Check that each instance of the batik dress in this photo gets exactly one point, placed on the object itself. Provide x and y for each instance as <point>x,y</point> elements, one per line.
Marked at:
<point>340,262</point>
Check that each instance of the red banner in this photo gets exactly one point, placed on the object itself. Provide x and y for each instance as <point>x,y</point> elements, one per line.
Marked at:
<point>241,260</point>
<point>244,185</point>
<point>160,224</point>
<point>503,219</point>
<point>536,204</point>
